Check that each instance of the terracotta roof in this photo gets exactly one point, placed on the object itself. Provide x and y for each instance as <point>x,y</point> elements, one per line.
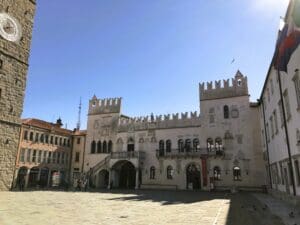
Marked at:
<point>45,125</point>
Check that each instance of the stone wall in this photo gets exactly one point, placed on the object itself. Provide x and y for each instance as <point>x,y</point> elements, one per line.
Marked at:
<point>9,140</point>
<point>13,74</point>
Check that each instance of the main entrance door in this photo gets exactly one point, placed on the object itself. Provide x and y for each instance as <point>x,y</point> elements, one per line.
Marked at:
<point>193,177</point>
<point>127,176</point>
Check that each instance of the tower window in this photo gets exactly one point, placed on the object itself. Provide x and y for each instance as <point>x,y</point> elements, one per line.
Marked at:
<point>226,112</point>
<point>93,147</point>
<point>77,157</point>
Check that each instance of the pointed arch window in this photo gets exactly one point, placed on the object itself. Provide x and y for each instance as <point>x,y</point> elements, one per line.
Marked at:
<point>210,144</point>
<point>99,147</point>
<point>110,146</point>
<point>93,147</point>
<point>188,145</point>
<point>180,145</point>
<point>218,143</point>
<point>161,148</point>
<point>104,149</point>
<point>226,112</point>
<point>168,146</point>
<point>196,144</point>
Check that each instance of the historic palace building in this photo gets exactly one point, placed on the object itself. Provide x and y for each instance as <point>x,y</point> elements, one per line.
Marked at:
<point>16,21</point>
<point>44,154</point>
<point>221,146</point>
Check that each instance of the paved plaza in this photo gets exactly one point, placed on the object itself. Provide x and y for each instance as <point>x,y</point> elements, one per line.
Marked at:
<point>132,207</point>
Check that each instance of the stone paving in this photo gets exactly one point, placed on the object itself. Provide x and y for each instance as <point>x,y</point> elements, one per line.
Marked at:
<point>132,207</point>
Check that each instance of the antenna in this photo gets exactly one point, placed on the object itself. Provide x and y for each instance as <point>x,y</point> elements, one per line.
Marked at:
<point>79,115</point>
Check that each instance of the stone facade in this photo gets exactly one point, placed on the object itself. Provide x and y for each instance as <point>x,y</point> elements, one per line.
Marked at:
<point>13,73</point>
<point>219,147</point>
<point>284,170</point>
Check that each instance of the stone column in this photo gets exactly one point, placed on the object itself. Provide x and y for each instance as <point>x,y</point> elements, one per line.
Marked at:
<point>27,178</point>
<point>109,179</point>
<point>137,172</point>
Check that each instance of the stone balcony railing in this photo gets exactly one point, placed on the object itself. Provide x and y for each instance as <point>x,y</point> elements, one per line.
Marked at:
<point>199,152</point>
<point>128,155</point>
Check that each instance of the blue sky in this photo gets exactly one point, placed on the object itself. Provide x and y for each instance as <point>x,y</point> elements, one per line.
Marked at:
<point>153,54</point>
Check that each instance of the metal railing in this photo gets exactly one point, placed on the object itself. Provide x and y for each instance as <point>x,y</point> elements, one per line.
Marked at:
<point>101,164</point>
<point>191,152</point>
<point>127,155</point>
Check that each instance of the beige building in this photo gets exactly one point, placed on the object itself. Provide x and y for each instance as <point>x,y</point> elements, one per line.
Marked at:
<point>44,154</point>
<point>219,147</point>
<point>280,124</point>
<point>78,148</point>
<point>15,37</point>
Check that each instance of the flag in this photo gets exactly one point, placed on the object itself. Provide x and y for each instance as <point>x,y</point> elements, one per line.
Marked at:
<point>289,39</point>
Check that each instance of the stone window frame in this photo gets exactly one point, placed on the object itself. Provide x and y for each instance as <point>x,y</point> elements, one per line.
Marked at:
<point>296,81</point>
<point>217,173</point>
<point>170,172</point>
<point>226,111</point>
<point>275,121</point>
<point>77,156</point>
<point>272,126</point>
<point>280,112</point>
<point>287,104</point>
<point>297,170</point>
<point>22,155</point>
<point>237,174</point>
<point>152,173</point>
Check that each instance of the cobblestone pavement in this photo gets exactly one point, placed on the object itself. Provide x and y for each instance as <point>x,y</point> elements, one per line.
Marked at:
<point>132,207</point>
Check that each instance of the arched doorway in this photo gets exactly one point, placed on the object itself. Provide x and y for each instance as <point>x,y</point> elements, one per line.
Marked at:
<point>103,178</point>
<point>125,175</point>
<point>44,177</point>
<point>33,177</point>
<point>22,176</point>
<point>193,177</point>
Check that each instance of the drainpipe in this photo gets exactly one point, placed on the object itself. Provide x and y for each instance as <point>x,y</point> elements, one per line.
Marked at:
<point>286,134</point>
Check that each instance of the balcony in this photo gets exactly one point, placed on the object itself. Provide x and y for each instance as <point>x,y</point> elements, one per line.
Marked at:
<point>183,153</point>
<point>128,155</point>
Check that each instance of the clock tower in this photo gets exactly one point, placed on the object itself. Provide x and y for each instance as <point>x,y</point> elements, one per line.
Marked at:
<point>16,22</point>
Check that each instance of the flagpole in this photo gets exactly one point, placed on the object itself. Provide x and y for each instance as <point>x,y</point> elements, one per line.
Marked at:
<point>286,134</point>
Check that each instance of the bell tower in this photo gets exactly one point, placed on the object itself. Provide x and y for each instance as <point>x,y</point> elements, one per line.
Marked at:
<point>16,22</point>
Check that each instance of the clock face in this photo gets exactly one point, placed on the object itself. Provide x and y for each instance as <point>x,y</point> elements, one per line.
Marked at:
<point>10,28</point>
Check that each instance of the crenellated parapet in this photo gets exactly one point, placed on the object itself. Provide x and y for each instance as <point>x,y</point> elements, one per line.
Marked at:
<point>186,119</point>
<point>106,105</point>
<point>237,87</point>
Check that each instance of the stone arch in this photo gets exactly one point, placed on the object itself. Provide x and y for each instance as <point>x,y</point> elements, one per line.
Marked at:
<point>193,176</point>
<point>103,178</point>
<point>33,177</point>
<point>124,174</point>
